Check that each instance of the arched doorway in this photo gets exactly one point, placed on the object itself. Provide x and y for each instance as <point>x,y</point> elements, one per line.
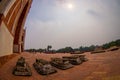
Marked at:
<point>18,44</point>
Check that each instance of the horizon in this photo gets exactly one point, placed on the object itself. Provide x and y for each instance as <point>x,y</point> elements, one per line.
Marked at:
<point>74,23</point>
<point>77,47</point>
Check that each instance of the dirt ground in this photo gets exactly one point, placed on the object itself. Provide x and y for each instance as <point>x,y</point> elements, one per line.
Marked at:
<point>5,59</point>
<point>100,66</point>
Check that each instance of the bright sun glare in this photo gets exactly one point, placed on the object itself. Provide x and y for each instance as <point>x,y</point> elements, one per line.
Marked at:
<point>70,6</point>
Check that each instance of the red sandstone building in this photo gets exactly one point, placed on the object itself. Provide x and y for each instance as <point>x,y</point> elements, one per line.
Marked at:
<point>13,14</point>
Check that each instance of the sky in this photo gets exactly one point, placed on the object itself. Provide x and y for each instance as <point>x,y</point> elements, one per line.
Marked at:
<point>74,23</point>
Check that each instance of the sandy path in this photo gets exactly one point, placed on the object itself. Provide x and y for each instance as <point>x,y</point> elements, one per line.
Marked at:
<point>102,66</point>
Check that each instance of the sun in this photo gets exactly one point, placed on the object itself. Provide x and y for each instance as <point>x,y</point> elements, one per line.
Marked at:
<point>70,6</point>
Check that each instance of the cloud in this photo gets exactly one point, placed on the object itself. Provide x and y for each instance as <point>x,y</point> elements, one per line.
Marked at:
<point>93,22</point>
<point>93,13</point>
<point>118,2</point>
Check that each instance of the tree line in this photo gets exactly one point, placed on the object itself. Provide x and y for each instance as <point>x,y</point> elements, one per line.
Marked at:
<point>112,43</point>
<point>72,50</point>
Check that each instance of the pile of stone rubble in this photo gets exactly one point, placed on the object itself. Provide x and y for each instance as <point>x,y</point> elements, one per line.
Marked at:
<point>44,67</point>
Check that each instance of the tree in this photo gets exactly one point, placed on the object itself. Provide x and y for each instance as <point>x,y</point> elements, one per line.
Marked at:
<point>69,49</point>
<point>112,43</point>
<point>86,49</point>
<point>49,47</point>
<point>117,42</point>
<point>40,50</point>
<point>92,48</point>
<point>65,50</point>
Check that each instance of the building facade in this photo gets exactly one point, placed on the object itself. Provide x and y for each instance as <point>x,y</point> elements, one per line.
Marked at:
<point>13,15</point>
